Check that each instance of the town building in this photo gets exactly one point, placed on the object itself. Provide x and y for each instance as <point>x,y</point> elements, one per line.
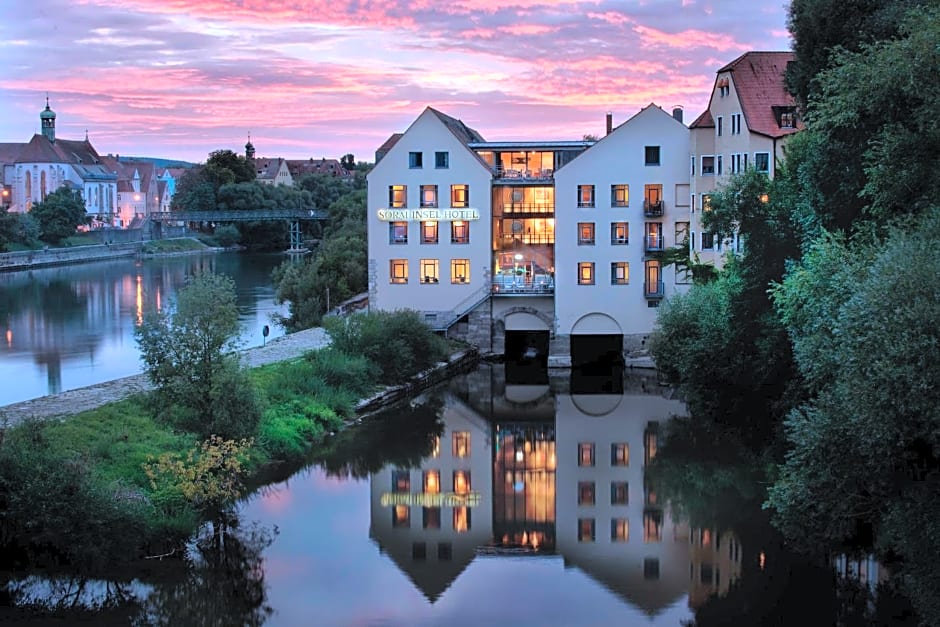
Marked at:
<point>330,167</point>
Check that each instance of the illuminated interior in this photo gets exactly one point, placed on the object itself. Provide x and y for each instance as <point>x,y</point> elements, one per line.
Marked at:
<point>523,239</point>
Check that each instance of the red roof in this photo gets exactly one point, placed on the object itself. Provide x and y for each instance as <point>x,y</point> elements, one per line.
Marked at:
<point>758,79</point>
<point>704,121</point>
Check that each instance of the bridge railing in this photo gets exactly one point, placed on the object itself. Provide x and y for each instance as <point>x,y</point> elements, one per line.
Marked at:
<point>236,215</point>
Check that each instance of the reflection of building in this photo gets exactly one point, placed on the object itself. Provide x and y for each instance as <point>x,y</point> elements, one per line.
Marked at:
<point>715,564</point>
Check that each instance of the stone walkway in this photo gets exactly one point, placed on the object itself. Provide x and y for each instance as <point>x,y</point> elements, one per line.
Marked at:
<point>73,401</point>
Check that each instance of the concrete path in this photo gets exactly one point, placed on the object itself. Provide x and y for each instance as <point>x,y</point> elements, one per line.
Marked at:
<point>73,401</point>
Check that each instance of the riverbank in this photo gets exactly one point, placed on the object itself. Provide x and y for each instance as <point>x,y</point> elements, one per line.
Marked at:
<point>28,259</point>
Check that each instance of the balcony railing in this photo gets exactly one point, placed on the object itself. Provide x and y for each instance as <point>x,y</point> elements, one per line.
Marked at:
<point>655,242</point>
<point>527,208</point>
<point>526,238</point>
<point>522,174</point>
<point>652,209</point>
<point>519,284</point>
<point>654,289</point>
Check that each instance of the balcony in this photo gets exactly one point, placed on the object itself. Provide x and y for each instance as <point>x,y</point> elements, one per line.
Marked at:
<point>508,241</point>
<point>654,289</point>
<point>521,285</point>
<point>654,242</point>
<point>522,175</point>
<point>525,210</point>
<point>653,209</point>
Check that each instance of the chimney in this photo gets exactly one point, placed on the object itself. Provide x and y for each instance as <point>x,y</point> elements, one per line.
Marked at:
<point>610,122</point>
<point>677,112</point>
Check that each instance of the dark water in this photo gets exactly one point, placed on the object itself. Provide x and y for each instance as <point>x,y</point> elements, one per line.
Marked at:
<point>485,503</point>
<point>71,326</point>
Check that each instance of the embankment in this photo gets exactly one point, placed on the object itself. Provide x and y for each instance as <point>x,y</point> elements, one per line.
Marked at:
<point>24,260</point>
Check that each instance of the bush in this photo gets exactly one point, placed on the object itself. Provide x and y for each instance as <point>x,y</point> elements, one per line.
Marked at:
<point>227,235</point>
<point>287,429</point>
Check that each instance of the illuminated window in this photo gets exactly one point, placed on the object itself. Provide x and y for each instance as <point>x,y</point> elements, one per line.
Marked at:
<point>651,568</point>
<point>653,526</point>
<point>460,196</point>
<point>619,493</point>
<point>401,481</point>
<point>619,233</point>
<point>619,273</point>
<point>585,493</point>
<point>585,454</point>
<point>651,155</point>
<point>432,481</point>
<point>619,195</point>
<point>429,232</point>
<point>461,482</point>
<point>585,273</point>
<point>461,519</point>
<point>461,444</point>
<point>441,160</point>
<point>708,165</point>
<point>430,271</point>
<point>585,530</point>
<point>762,161</point>
<point>654,236</point>
<point>706,202</point>
<point>460,271</point>
<point>415,159</point>
<point>429,196</point>
<point>585,233</point>
<point>431,518</point>
<point>399,270</point>
<point>419,551</point>
<point>397,232</point>
<point>619,454</point>
<point>650,441</point>
<point>401,517</point>
<point>585,196</point>
<point>459,232</point>
<point>397,196</point>
<point>619,530</point>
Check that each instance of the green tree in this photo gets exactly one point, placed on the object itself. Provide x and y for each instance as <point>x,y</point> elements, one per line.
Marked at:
<point>348,161</point>
<point>59,215</point>
<point>200,384</point>
<point>242,170</point>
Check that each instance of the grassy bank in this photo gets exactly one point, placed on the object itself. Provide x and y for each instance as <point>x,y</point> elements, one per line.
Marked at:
<point>176,245</point>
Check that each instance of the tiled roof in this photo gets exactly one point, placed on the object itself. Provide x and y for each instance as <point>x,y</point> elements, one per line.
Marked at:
<point>298,167</point>
<point>268,168</point>
<point>758,79</point>
<point>9,152</point>
<point>39,150</point>
<point>382,150</point>
<point>460,130</point>
<point>703,121</point>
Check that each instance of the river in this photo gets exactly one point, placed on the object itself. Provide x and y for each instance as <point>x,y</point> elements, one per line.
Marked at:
<point>70,326</point>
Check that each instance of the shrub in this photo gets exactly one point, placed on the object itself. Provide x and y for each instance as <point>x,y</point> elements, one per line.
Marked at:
<point>227,235</point>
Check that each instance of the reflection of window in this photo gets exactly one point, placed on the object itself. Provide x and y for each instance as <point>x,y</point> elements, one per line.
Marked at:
<point>431,518</point>
<point>585,273</point>
<point>619,233</point>
<point>415,160</point>
<point>429,195</point>
<point>619,273</point>
<point>445,552</point>
<point>398,272</point>
<point>436,449</point>
<point>651,568</point>
<point>397,232</point>
<point>459,232</point>
<point>619,530</point>
<point>429,232</point>
<point>586,454</point>
<point>650,441</point>
<point>585,233</point>
<point>585,195</point>
<point>397,196</point>
<point>401,517</point>
<point>459,196</point>
<point>419,551</point>
<point>459,270</point>
<point>620,454</point>
<point>441,160</point>
<point>585,530</point>
<point>401,481</point>
<point>461,482</point>
<point>762,161</point>
<point>432,481</point>
<point>651,155</point>
<point>619,493</point>
<point>652,526</point>
<point>619,195</point>
<point>461,444</point>
<point>430,271</point>
<point>585,493</point>
<point>461,519</point>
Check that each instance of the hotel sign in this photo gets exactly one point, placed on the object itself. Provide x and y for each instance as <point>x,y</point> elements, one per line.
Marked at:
<point>423,499</point>
<point>418,215</point>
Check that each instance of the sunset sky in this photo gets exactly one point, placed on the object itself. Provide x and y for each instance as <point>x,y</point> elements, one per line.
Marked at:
<point>312,78</point>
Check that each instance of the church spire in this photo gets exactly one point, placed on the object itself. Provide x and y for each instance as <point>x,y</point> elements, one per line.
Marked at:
<point>47,121</point>
<point>249,149</point>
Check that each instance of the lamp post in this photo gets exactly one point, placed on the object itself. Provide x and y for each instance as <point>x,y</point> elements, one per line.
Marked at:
<point>515,268</point>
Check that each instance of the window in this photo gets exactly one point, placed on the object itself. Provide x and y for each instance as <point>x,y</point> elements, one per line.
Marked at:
<point>461,444</point>
<point>401,481</point>
<point>585,493</point>
<point>653,287</point>
<point>431,481</point>
<point>708,165</point>
<point>654,236</point>
<point>460,271</point>
<point>585,530</point>
<point>397,196</point>
<point>619,272</point>
<point>398,272</point>
<point>762,161</point>
<point>718,125</point>
<point>430,271</point>
<point>619,233</point>
<point>585,233</point>
<point>619,530</point>
<point>461,482</point>
<point>619,493</point>
<point>415,159</point>
<point>460,196</point>
<point>585,196</point>
<point>708,241</point>
<point>431,517</point>
<point>619,195</point>
<point>586,454</point>
<point>735,123</point>
<point>585,273</point>
<point>429,195</point>
<point>718,168</point>
<point>653,526</point>
<point>459,232</point>
<point>397,232</point>
<point>692,166</point>
<point>787,119</point>
<point>682,233</point>
<point>401,517</point>
<point>651,154</point>
<point>429,232</point>
<point>706,202</point>
<point>461,519</point>
<point>620,454</point>
<point>441,160</point>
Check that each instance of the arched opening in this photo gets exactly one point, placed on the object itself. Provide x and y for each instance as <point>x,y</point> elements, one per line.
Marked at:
<point>596,355</point>
<point>526,348</point>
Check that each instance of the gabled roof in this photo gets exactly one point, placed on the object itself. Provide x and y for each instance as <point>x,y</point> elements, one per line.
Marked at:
<point>703,121</point>
<point>39,150</point>
<point>759,81</point>
<point>10,152</point>
<point>461,131</point>
<point>323,165</point>
<point>268,168</point>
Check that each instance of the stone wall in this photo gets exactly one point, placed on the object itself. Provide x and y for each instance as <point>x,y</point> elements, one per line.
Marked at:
<point>26,259</point>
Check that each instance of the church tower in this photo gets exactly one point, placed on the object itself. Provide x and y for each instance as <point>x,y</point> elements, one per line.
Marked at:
<point>249,149</point>
<point>47,119</point>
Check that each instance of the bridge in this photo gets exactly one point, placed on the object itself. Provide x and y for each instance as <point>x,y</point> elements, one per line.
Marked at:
<point>294,216</point>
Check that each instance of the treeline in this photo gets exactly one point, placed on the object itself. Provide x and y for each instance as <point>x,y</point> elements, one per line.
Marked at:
<point>820,344</point>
